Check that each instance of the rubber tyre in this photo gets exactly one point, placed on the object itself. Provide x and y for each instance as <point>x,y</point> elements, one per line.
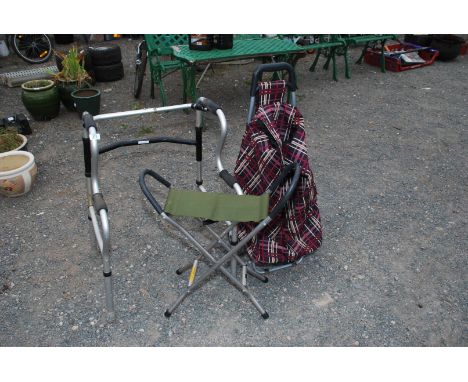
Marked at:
<point>45,41</point>
<point>105,55</point>
<point>107,73</point>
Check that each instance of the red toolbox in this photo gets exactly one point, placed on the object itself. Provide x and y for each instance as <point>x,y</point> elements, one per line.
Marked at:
<point>398,57</point>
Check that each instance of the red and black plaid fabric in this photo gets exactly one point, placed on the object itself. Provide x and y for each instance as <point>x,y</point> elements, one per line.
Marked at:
<point>272,140</point>
<point>270,92</point>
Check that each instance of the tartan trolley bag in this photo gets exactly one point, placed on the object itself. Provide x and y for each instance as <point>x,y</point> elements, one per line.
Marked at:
<point>275,138</point>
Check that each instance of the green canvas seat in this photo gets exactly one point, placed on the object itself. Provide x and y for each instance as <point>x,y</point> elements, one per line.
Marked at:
<point>217,206</point>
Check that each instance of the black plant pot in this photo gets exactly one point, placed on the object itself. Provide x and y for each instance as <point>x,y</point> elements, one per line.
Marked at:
<point>447,45</point>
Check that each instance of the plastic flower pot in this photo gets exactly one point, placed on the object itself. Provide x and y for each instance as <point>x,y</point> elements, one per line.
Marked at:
<point>17,173</point>
<point>41,99</point>
<point>87,100</point>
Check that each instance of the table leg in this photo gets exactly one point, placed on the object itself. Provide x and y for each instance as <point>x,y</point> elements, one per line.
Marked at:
<point>162,93</point>
<point>191,86</point>
<point>346,62</point>
<point>202,75</point>
<point>359,60</point>
<point>152,85</point>
<point>330,56</point>
<point>333,56</point>
<point>314,64</point>
<point>184,85</point>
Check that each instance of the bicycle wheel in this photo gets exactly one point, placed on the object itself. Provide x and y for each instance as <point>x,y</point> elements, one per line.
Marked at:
<point>140,67</point>
<point>32,48</point>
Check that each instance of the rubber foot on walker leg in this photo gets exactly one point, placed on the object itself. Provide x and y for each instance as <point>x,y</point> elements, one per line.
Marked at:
<point>110,316</point>
<point>167,314</point>
<point>265,315</point>
<point>265,280</point>
<point>179,272</point>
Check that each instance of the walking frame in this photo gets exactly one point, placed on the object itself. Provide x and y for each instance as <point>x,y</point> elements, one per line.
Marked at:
<point>229,208</point>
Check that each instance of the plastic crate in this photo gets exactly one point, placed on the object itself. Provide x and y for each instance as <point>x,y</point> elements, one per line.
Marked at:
<point>394,63</point>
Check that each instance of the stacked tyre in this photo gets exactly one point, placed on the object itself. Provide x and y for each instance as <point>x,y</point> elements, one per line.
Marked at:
<point>107,62</point>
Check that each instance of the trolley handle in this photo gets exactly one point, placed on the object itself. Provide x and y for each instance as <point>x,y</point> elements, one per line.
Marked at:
<point>274,67</point>
<point>282,203</point>
<point>147,192</point>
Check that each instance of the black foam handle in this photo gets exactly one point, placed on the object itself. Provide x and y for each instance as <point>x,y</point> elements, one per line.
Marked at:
<point>228,178</point>
<point>199,141</point>
<point>282,203</point>
<point>147,192</point>
<point>88,120</point>
<point>87,156</point>
<point>99,202</point>
<point>207,104</point>
<point>274,67</point>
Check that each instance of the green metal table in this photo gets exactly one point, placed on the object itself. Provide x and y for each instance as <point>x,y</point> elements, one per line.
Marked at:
<point>251,48</point>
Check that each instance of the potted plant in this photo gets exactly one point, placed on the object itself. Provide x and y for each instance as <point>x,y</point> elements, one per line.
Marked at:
<point>72,76</point>
<point>10,140</point>
<point>41,99</point>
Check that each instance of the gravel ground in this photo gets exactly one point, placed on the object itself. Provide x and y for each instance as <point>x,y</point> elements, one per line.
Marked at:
<point>389,155</point>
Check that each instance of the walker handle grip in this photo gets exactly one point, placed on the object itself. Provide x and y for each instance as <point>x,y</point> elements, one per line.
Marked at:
<point>228,178</point>
<point>274,67</point>
<point>207,105</point>
<point>88,120</point>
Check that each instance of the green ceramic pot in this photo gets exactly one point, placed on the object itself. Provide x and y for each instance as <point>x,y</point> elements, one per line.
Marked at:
<point>41,99</point>
<point>87,100</point>
<point>65,90</point>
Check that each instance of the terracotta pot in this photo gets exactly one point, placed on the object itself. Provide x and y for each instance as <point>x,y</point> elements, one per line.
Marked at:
<point>17,173</point>
<point>41,99</point>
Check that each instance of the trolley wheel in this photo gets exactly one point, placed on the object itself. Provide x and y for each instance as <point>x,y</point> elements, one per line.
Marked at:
<point>32,48</point>
<point>140,67</point>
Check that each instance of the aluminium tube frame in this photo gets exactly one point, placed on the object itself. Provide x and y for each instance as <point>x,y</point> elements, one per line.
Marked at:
<point>97,209</point>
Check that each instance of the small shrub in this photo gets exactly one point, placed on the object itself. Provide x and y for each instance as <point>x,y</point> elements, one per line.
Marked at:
<point>9,140</point>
